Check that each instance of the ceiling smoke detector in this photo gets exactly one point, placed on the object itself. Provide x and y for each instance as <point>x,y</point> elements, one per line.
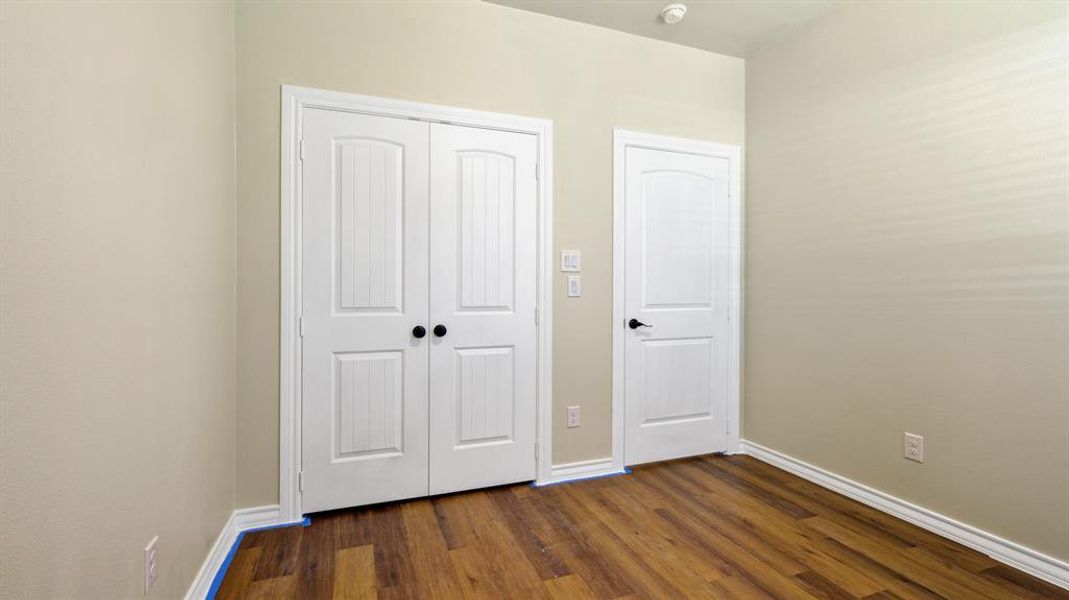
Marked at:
<point>673,13</point>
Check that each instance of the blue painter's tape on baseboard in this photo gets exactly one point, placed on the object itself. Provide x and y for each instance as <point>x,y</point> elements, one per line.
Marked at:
<point>218,579</point>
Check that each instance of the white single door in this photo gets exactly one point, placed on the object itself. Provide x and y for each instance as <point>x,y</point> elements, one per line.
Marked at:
<point>365,285</point>
<point>676,297</point>
<point>483,278</point>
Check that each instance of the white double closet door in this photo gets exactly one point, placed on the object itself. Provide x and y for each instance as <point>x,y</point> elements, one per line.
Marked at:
<point>409,225</point>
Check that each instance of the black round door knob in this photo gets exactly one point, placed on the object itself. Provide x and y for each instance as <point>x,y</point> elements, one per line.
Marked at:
<point>635,324</point>
<point>440,330</point>
<point>419,331</point>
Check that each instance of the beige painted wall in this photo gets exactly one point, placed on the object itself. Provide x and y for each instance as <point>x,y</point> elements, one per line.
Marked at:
<point>475,55</point>
<point>117,297</point>
<point>908,256</point>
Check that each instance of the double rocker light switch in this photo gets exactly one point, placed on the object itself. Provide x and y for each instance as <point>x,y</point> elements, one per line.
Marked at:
<point>570,261</point>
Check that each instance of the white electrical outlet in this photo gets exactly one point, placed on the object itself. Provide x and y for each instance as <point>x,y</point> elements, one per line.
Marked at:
<point>914,447</point>
<point>573,416</point>
<point>152,555</point>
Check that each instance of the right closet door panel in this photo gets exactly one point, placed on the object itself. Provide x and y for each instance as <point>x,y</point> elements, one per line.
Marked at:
<point>483,273</point>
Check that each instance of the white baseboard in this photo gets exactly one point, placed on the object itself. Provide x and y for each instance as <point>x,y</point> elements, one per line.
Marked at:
<point>216,555</point>
<point>256,517</point>
<point>1020,557</point>
<point>584,469</point>
<point>240,521</point>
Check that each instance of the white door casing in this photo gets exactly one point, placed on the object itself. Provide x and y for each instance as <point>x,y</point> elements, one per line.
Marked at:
<point>483,281</point>
<point>675,275</point>
<point>365,271</point>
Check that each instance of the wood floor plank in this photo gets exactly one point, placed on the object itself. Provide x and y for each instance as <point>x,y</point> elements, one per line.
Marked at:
<point>853,514</point>
<point>786,533</point>
<point>525,531</point>
<point>838,505</point>
<point>514,574</point>
<point>706,527</point>
<point>354,574</point>
<point>701,508</point>
<point>351,528</point>
<point>568,587</point>
<point>924,546</point>
<point>1023,581</point>
<point>769,497</point>
<point>575,546</point>
<point>850,514</point>
<point>642,570</point>
<point>629,503</point>
<point>276,588</point>
<point>930,576</point>
<point>884,595</point>
<point>738,587</point>
<point>822,587</point>
<point>475,578</point>
<point>430,554</point>
<point>954,570</point>
<point>239,574</point>
<point>444,514</point>
<point>280,552</point>
<point>763,576</point>
<point>315,561</point>
<point>898,583</point>
<point>393,564</point>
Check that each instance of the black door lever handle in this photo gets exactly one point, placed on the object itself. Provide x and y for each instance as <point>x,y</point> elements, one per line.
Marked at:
<point>635,324</point>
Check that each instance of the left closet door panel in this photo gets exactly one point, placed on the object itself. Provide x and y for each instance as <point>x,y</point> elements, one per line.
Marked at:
<point>365,284</point>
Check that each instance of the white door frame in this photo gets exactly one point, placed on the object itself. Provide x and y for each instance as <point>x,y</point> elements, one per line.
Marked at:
<point>294,101</point>
<point>621,140</point>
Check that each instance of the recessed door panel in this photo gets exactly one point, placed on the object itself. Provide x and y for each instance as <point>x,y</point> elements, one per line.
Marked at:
<point>486,396</point>
<point>677,381</point>
<point>369,187</point>
<point>369,404</point>
<point>486,196</point>
<point>676,286</point>
<point>678,256</point>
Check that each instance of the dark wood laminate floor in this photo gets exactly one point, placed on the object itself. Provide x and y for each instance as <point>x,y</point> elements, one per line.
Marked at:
<point>707,527</point>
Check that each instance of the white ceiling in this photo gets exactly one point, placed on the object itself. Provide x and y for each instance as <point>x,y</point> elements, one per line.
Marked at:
<point>732,27</point>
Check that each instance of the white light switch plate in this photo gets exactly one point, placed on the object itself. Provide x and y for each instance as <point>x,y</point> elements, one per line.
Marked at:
<point>570,261</point>
<point>575,288</point>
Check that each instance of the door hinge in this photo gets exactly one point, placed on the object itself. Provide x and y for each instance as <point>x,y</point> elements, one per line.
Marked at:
<point>536,315</point>
<point>300,326</point>
<point>300,481</point>
<point>729,313</point>
<point>538,171</point>
<point>300,147</point>
<point>536,452</point>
